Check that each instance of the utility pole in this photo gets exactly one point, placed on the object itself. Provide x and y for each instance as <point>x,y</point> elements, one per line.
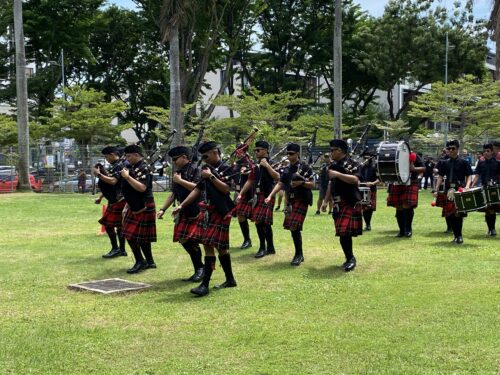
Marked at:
<point>337,71</point>
<point>446,125</point>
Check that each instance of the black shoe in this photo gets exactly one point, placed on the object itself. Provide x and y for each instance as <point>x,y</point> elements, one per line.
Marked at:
<point>271,251</point>
<point>492,232</point>
<point>408,234</point>
<point>196,276</point>
<point>400,234</point>
<point>350,265</point>
<point>113,253</point>
<point>277,208</point>
<point>261,253</point>
<point>368,228</point>
<point>246,244</point>
<point>201,290</point>
<point>150,265</point>
<point>297,259</point>
<point>317,213</point>
<point>138,267</point>
<point>459,240</point>
<point>226,284</point>
<point>123,253</point>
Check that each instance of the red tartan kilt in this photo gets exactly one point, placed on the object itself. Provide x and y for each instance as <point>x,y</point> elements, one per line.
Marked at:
<point>262,212</point>
<point>450,209</point>
<point>216,234</point>
<point>350,220</point>
<point>185,229</point>
<point>403,196</point>
<point>113,215</point>
<point>441,200</point>
<point>373,201</point>
<point>243,208</point>
<point>295,220</point>
<point>140,227</point>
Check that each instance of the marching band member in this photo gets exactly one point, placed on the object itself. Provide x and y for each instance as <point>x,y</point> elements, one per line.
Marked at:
<point>368,177</point>
<point>323,183</point>
<point>458,175</point>
<point>215,216</point>
<point>344,194</point>
<point>185,179</point>
<point>405,197</point>
<point>297,181</point>
<point>262,183</point>
<point>139,219</point>
<point>244,205</point>
<point>488,170</point>
<point>440,200</point>
<point>110,186</point>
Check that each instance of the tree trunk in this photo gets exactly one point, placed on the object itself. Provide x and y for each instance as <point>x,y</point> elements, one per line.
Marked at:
<point>337,71</point>
<point>176,117</point>
<point>22,100</point>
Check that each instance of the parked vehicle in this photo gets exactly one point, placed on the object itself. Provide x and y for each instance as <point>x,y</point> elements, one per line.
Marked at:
<point>70,184</point>
<point>160,183</point>
<point>9,180</point>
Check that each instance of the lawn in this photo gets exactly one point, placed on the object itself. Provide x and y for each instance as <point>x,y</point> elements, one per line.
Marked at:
<point>412,306</point>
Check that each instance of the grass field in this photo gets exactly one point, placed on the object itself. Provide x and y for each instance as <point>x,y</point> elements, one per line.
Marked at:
<point>412,306</point>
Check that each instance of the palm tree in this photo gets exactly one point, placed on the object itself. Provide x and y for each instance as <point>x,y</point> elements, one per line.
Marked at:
<point>23,138</point>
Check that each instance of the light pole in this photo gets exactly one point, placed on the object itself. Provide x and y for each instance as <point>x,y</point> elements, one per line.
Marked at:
<point>446,125</point>
<point>337,71</point>
<point>61,64</point>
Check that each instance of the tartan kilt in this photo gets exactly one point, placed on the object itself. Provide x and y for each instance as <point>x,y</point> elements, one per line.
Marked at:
<point>113,215</point>
<point>373,201</point>
<point>185,229</point>
<point>140,227</point>
<point>403,195</point>
<point>262,213</point>
<point>243,208</point>
<point>441,199</point>
<point>450,209</point>
<point>216,233</point>
<point>349,221</point>
<point>295,220</point>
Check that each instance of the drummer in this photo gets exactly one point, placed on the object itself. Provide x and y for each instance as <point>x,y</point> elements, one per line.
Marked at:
<point>405,197</point>
<point>441,194</point>
<point>368,178</point>
<point>458,175</point>
<point>488,170</point>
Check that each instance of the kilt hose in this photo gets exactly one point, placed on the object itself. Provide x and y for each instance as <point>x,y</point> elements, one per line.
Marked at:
<point>141,226</point>
<point>185,229</point>
<point>403,195</point>
<point>113,215</point>
<point>243,208</point>
<point>215,232</point>
<point>262,213</point>
<point>450,209</point>
<point>349,221</point>
<point>294,220</point>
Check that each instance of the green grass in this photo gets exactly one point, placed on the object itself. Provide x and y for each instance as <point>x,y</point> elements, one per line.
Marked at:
<point>419,305</point>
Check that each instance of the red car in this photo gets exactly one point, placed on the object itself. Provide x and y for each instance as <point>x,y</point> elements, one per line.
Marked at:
<point>8,183</point>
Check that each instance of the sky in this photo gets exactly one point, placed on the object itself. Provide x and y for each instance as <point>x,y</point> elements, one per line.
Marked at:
<point>482,8</point>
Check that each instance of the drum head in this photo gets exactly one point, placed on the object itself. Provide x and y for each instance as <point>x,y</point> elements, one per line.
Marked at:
<point>403,162</point>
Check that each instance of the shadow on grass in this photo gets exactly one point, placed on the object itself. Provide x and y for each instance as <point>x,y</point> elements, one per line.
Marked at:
<point>451,245</point>
<point>330,272</point>
<point>440,234</point>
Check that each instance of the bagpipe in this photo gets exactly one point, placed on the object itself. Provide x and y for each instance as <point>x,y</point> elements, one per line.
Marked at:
<point>276,166</point>
<point>310,145</point>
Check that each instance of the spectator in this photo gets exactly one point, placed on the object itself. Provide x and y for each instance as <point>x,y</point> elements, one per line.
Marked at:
<point>82,179</point>
<point>467,157</point>
<point>428,174</point>
<point>496,149</point>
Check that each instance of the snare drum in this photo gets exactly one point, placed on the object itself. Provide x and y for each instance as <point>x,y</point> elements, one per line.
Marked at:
<point>471,200</point>
<point>393,163</point>
<point>365,196</point>
<point>492,194</point>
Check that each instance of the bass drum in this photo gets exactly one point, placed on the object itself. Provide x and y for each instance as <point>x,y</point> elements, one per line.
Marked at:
<point>393,162</point>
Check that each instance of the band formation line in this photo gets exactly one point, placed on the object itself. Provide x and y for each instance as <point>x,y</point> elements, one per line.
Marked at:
<point>203,208</point>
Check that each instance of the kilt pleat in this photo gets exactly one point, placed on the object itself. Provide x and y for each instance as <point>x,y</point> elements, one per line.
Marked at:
<point>403,195</point>
<point>140,227</point>
<point>113,215</point>
<point>441,199</point>
<point>262,213</point>
<point>244,208</point>
<point>185,229</point>
<point>349,221</point>
<point>450,209</point>
<point>295,220</point>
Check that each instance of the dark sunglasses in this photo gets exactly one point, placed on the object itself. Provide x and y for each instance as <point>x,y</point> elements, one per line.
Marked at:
<point>291,153</point>
<point>334,149</point>
<point>451,148</point>
<point>176,157</point>
<point>258,149</point>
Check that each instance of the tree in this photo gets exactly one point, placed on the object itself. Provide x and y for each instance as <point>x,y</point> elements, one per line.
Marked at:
<point>84,116</point>
<point>472,106</point>
<point>22,100</point>
<point>8,131</point>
